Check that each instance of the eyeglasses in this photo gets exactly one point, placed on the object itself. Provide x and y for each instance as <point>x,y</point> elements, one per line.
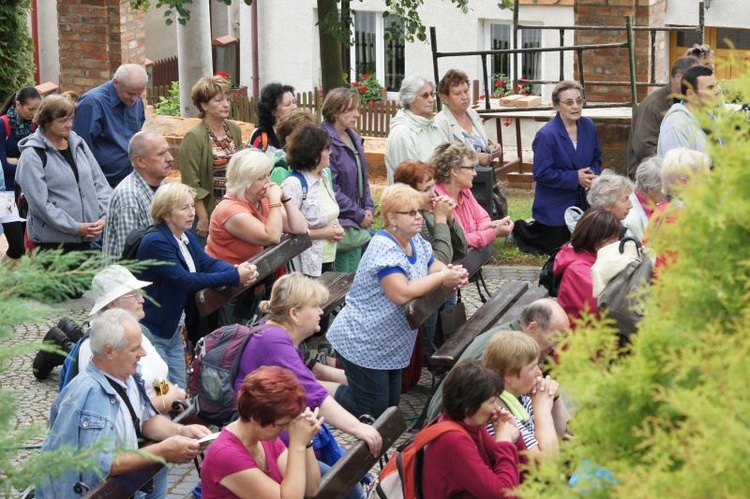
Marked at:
<point>577,102</point>
<point>411,213</point>
<point>467,167</point>
<point>133,294</point>
<point>427,95</point>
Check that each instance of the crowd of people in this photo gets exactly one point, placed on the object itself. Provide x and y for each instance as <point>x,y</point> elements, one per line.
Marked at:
<point>92,178</point>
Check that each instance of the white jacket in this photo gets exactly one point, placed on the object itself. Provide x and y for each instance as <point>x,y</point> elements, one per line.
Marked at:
<point>412,137</point>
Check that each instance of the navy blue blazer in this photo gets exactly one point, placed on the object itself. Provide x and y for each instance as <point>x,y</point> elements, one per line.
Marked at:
<point>174,286</point>
<point>556,165</point>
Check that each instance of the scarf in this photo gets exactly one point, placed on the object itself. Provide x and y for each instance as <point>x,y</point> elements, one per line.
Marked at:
<point>21,128</point>
<point>515,407</point>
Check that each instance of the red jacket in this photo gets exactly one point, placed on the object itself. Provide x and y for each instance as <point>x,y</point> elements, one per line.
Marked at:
<point>469,467</point>
<point>576,288</point>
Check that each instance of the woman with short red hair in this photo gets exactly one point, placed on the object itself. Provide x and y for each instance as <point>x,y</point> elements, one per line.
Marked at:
<point>248,459</point>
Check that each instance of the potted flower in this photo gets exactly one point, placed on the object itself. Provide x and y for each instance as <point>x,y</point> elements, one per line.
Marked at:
<point>369,89</point>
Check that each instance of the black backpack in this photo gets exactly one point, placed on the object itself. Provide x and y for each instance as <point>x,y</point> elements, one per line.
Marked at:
<point>23,205</point>
<point>547,278</point>
<point>133,242</point>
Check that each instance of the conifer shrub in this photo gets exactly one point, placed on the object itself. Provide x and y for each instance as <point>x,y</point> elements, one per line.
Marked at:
<point>672,417</point>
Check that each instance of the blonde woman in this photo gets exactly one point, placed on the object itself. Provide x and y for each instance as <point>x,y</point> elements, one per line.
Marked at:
<point>190,269</point>
<point>371,333</point>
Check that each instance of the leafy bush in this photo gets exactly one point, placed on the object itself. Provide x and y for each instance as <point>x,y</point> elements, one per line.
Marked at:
<point>369,89</point>
<point>671,418</point>
<point>170,105</point>
<point>16,62</point>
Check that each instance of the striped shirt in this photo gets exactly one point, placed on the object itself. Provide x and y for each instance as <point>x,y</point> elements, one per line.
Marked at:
<point>526,429</point>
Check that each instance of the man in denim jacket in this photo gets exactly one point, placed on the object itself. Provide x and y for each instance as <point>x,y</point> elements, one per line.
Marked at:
<point>90,412</point>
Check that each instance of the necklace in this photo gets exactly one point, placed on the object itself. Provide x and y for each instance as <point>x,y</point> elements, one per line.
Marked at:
<point>258,455</point>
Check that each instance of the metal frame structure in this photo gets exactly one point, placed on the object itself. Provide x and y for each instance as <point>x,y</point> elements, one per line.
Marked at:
<point>629,44</point>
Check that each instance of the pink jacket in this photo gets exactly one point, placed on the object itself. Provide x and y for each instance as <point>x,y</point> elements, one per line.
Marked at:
<point>472,217</point>
<point>576,287</point>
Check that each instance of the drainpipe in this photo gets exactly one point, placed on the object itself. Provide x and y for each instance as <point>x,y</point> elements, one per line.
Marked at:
<point>254,31</point>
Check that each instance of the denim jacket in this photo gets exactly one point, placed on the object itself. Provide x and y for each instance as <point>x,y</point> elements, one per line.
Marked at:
<point>84,415</point>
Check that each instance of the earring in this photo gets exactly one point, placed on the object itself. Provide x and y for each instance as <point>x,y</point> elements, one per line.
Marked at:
<point>394,228</point>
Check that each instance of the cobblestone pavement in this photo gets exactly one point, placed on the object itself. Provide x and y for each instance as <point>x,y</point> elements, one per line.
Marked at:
<point>35,397</point>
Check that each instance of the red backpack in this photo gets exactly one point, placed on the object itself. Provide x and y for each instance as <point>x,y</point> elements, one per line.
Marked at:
<point>402,476</point>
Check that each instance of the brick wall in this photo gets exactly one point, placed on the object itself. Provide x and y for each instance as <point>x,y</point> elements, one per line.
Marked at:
<point>95,37</point>
<point>611,64</point>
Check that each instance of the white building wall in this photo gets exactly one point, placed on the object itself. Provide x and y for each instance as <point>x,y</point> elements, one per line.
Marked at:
<point>289,46</point>
<point>721,13</point>
<point>49,49</point>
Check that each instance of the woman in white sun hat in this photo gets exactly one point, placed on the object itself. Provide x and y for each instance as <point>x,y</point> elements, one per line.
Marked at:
<point>116,287</point>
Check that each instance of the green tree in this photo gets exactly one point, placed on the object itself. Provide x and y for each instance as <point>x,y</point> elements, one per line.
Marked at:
<point>16,61</point>
<point>671,418</point>
<point>335,29</point>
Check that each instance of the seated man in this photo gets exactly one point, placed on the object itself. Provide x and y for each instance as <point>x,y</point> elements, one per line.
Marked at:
<point>107,405</point>
<point>542,319</point>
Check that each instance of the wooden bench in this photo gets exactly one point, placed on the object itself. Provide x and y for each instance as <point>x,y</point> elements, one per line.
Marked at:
<point>358,461</point>
<point>504,306</point>
<point>509,300</point>
<point>267,261</point>
<point>338,284</point>
<point>419,310</point>
<point>117,487</point>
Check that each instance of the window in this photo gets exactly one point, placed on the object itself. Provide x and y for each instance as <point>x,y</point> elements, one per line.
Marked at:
<point>371,52</point>
<point>501,38</point>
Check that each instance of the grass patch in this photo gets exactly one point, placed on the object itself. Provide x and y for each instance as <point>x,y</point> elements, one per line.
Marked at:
<point>519,208</point>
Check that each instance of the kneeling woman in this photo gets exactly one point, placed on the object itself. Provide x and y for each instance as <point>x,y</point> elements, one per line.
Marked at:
<point>293,314</point>
<point>371,334</point>
<point>249,459</point>
<point>596,229</point>
<point>469,462</point>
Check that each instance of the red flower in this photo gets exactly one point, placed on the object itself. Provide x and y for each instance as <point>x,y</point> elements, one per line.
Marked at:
<point>355,84</point>
<point>223,74</point>
<point>366,76</point>
<point>498,83</point>
<point>507,121</point>
<point>362,90</point>
<point>481,97</point>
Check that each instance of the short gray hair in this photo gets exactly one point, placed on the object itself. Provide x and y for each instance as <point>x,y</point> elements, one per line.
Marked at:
<point>410,87</point>
<point>108,328</point>
<point>607,188</point>
<point>244,168</point>
<point>679,164</point>
<point>138,145</point>
<point>648,175</point>
<point>128,74</point>
<point>538,311</point>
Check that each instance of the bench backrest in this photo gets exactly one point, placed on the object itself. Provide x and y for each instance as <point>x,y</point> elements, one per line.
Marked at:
<point>419,310</point>
<point>488,314</point>
<point>116,487</point>
<point>357,461</point>
<point>267,261</point>
<point>338,284</point>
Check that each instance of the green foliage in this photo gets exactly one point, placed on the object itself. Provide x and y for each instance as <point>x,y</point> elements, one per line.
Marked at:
<point>170,105</point>
<point>671,418</point>
<point>16,60</point>
<point>369,89</point>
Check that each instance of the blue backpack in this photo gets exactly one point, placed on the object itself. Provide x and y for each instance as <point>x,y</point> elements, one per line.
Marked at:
<point>70,365</point>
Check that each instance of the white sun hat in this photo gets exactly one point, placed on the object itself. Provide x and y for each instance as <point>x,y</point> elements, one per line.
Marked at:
<point>112,283</point>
